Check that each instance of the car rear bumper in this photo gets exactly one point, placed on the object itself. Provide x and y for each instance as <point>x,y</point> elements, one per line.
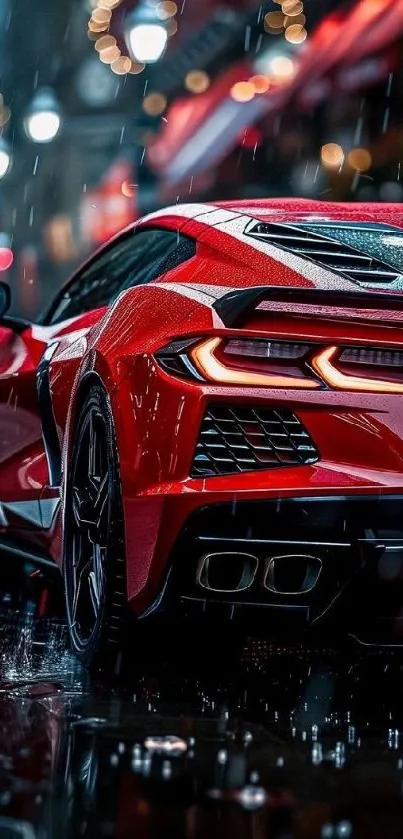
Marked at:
<point>317,559</point>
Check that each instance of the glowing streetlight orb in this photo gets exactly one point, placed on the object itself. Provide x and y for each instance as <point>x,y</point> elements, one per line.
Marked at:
<point>147,41</point>
<point>43,127</point>
<point>43,119</point>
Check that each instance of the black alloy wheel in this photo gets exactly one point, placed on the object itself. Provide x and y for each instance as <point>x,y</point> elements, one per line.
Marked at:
<point>94,551</point>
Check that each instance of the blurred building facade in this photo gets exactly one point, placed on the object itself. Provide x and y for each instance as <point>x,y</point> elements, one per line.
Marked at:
<point>245,101</point>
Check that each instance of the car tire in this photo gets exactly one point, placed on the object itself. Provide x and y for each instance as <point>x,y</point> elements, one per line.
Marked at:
<point>94,563</point>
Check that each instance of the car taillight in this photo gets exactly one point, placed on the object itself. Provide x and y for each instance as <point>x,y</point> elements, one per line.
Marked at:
<point>372,357</point>
<point>255,348</point>
<point>240,361</point>
<point>210,359</point>
<point>257,362</point>
<point>326,364</point>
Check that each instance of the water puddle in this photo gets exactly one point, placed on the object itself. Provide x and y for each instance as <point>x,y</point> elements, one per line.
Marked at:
<point>295,743</point>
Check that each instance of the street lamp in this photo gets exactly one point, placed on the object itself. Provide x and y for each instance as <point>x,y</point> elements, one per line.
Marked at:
<point>5,157</point>
<point>146,35</point>
<point>43,119</point>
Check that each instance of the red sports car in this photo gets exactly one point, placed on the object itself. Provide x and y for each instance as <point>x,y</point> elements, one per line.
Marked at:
<point>210,415</point>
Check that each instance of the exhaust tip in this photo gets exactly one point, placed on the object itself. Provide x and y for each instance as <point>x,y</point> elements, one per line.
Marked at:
<point>292,573</point>
<point>226,572</point>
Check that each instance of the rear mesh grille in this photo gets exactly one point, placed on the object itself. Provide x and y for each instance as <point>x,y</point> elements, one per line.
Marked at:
<point>244,438</point>
<point>332,254</point>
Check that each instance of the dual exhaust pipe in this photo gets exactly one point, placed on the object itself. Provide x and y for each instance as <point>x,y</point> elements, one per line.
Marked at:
<point>230,572</point>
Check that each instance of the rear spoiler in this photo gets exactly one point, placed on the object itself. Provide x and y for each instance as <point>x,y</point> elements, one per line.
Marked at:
<point>233,307</point>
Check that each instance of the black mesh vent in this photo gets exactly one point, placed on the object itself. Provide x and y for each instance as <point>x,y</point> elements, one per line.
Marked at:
<point>330,252</point>
<point>241,439</point>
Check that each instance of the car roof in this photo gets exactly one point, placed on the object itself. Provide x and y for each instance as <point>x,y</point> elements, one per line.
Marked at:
<point>291,209</point>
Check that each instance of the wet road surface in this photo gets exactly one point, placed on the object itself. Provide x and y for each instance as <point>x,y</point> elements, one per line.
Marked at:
<point>290,743</point>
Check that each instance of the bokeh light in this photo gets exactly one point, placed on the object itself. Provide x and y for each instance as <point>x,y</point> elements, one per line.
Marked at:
<point>242,91</point>
<point>172,27</point>
<point>42,127</point>
<point>107,4</point>
<point>109,55</point>
<point>147,41</point>
<point>296,34</point>
<point>332,155</point>
<point>282,67</point>
<point>121,65</point>
<point>5,162</point>
<point>292,21</point>
<point>291,8</point>
<point>166,9</point>
<point>128,189</point>
<point>260,83</point>
<point>104,42</point>
<point>101,16</point>
<point>94,26</point>
<point>359,159</point>
<point>6,258</point>
<point>197,81</point>
<point>136,68</point>
<point>251,137</point>
<point>154,104</point>
<point>274,20</point>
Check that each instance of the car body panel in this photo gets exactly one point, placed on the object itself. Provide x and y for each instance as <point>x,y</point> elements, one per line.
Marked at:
<point>158,416</point>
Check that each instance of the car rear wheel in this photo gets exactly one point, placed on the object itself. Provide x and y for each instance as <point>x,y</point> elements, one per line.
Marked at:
<point>94,549</point>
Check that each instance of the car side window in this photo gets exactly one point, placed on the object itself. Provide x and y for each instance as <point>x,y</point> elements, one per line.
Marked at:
<point>162,251</point>
<point>134,260</point>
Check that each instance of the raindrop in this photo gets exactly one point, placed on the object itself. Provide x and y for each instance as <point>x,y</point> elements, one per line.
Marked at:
<point>386,120</point>
<point>259,43</point>
<point>166,769</point>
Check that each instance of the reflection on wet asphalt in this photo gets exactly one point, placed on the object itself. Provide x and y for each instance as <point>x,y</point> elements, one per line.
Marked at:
<point>289,744</point>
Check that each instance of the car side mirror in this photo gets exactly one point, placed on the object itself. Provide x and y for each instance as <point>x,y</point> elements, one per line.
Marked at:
<point>5,298</point>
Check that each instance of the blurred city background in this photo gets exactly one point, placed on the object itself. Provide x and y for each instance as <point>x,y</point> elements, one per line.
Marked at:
<point>113,108</point>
